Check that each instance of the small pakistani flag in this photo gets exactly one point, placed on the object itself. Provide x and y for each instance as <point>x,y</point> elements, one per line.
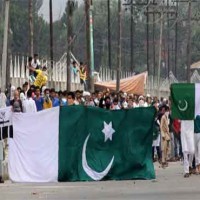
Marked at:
<point>185,99</point>
<point>78,143</point>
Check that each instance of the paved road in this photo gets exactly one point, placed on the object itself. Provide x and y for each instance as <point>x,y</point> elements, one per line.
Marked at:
<point>169,185</point>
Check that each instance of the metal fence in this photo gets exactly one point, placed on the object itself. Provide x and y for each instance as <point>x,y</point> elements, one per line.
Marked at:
<point>19,73</point>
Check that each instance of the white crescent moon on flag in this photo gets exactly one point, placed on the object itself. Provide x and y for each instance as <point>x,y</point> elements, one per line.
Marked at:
<point>183,108</point>
<point>88,170</point>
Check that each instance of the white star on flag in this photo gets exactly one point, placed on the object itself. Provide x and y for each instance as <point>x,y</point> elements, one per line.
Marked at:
<point>108,131</point>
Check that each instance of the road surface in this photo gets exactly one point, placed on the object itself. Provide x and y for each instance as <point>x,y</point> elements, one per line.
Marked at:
<point>169,185</point>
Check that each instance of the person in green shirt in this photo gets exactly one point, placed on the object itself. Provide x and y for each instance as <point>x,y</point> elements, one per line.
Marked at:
<point>197,143</point>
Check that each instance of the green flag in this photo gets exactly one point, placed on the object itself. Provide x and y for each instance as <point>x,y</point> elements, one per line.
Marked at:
<point>185,101</point>
<point>197,124</point>
<point>96,144</point>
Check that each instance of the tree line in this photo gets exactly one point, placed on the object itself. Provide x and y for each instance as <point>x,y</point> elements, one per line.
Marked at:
<point>19,35</point>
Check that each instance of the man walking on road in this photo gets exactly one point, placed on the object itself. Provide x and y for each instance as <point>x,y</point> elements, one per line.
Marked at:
<point>187,139</point>
<point>165,142</point>
<point>197,143</point>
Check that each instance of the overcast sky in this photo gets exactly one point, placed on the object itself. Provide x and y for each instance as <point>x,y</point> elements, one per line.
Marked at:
<point>58,9</point>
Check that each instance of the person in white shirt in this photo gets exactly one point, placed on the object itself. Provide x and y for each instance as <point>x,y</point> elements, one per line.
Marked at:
<point>142,102</point>
<point>12,91</point>
<point>22,97</point>
<point>29,105</point>
<point>35,62</point>
<point>2,99</point>
<point>115,105</point>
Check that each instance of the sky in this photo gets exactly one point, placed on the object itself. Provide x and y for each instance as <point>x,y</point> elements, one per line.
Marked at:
<point>58,9</point>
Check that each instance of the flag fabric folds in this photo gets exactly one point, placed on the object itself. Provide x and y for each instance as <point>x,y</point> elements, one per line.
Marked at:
<point>187,136</point>
<point>185,99</point>
<point>78,143</point>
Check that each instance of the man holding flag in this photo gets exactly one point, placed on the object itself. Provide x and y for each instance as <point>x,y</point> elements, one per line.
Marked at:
<point>185,106</point>
<point>197,143</point>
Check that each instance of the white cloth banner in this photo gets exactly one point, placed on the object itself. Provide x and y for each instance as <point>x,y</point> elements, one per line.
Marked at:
<point>187,136</point>
<point>33,151</point>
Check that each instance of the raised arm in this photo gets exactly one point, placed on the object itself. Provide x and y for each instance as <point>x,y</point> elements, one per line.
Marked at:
<point>32,68</point>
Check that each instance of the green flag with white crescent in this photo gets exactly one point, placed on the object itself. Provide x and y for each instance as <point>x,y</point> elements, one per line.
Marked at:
<point>185,101</point>
<point>76,143</point>
<point>96,144</point>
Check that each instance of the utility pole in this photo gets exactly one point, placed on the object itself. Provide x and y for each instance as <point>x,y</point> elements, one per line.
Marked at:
<point>119,46</point>
<point>132,37</point>
<point>168,43</point>
<point>161,13</point>
<point>109,37</point>
<point>90,42</point>
<point>5,46</point>
<point>87,25</point>
<point>51,39</point>
<point>160,51</point>
<point>189,19</point>
<point>189,41</point>
<point>91,49</point>
<point>154,48</point>
<point>30,27</point>
<point>70,9</point>
<point>176,41</point>
<point>147,4</point>
<point>147,22</point>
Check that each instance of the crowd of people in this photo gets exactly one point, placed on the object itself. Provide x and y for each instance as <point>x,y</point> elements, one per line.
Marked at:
<point>32,99</point>
<point>35,96</point>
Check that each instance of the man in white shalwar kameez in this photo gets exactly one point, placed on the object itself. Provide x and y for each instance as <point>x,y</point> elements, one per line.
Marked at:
<point>187,139</point>
<point>29,105</point>
<point>197,143</point>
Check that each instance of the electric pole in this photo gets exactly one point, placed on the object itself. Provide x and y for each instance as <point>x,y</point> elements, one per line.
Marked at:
<point>176,41</point>
<point>160,51</point>
<point>189,19</point>
<point>132,37</point>
<point>87,25</point>
<point>119,46</point>
<point>147,4</point>
<point>109,37</point>
<point>168,43</point>
<point>70,9</point>
<point>161,11</point>
<point>51,39</point>
<point>189,41</point>
<point>5,46</point>
<point>30,27</point>
<point>147,22</point>
<point>154,47</point>
<point>90,42</point>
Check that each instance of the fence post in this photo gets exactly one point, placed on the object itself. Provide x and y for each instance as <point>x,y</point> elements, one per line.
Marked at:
<point>11,67</point>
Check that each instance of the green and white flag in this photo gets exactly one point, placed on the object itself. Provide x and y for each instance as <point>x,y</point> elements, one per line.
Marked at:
<point>82,144</point>
<point>185,99</point>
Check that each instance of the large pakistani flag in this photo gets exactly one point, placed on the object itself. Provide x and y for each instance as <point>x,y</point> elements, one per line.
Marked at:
<point>185,101</point>
<point>82,144</point>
